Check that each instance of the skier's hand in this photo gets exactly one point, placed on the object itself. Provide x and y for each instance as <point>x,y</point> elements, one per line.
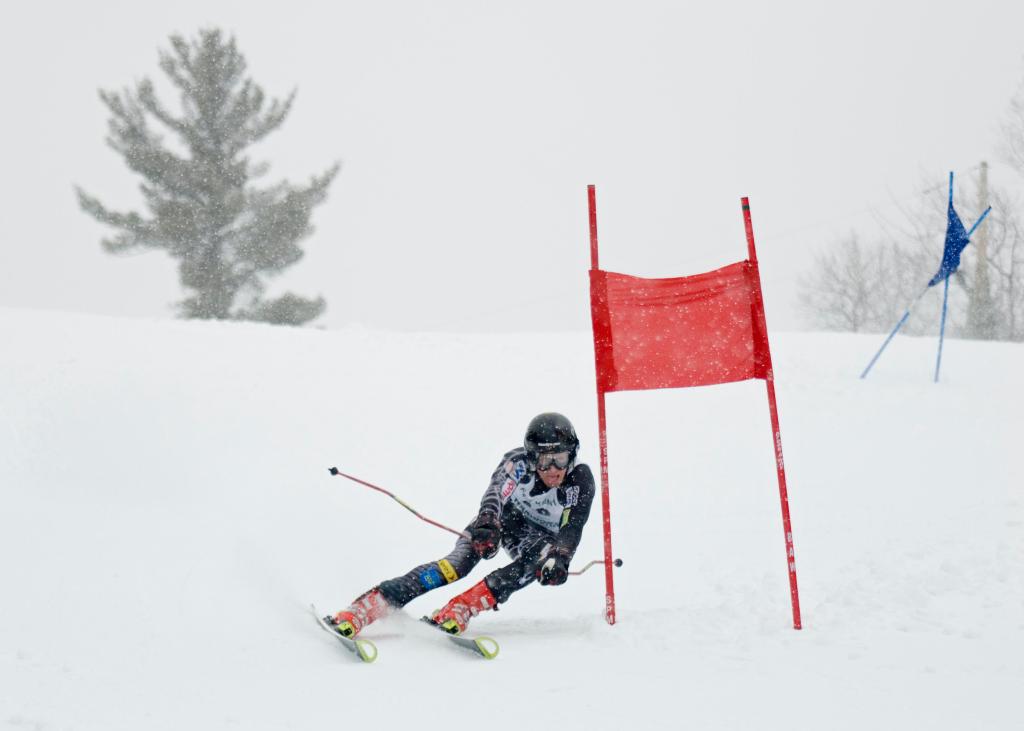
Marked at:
<point>485,534</point>
<point>554,569</point>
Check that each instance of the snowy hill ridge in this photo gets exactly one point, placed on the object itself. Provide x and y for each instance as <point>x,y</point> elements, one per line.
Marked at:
<point>166,516</point>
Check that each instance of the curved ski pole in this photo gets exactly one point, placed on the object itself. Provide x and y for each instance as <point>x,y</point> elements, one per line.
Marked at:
<point>617,562</point>
<point>338,473</point>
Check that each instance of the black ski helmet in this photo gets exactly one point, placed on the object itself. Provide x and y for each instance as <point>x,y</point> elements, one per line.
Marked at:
<point>550,432</point>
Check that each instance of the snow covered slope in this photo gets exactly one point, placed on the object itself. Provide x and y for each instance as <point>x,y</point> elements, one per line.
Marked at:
<point>166,516</point>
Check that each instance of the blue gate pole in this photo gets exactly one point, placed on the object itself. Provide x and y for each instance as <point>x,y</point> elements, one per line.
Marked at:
<point>893,333</point>
<point>942,328</point>
<point>978,222</point>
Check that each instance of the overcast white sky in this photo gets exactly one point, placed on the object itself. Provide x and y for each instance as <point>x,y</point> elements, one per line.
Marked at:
<point>468,132</point>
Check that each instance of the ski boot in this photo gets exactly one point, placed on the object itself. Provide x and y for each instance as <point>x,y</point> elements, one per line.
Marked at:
<point>454,616</point>
<point>367,608</point>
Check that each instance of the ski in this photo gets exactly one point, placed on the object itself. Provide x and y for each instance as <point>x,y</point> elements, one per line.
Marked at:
<point>363,649</point>
<point>485,647</point>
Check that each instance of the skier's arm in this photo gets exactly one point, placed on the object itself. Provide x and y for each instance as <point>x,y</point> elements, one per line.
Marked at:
<point>580,496</point>
<point>553,568</point>
<point>491,500</point>
<point>485,528</point>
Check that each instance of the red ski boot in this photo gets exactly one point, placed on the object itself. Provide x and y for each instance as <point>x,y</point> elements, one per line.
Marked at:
<point>455,615</point>
<point>366,609</point>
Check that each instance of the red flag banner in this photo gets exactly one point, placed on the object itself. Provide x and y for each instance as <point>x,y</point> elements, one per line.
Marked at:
<point>678,332</point>
<point>673,333</point>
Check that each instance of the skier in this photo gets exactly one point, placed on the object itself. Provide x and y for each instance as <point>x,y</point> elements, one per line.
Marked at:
<point>535,507</point>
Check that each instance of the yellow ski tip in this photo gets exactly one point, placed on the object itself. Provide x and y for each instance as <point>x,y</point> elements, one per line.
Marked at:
<point>487,646</point>
<point>367,650</point>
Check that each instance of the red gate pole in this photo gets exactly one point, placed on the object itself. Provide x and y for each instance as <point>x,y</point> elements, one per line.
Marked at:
<point>609,595</point>
<point>773,410</point>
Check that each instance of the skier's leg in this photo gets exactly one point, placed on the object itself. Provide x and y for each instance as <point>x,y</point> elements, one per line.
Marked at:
<point>530,552</point>
<point>401,590</point>
<point>455,615</point>
<point>397,592</point>
<point>531,546</point>
<point>366,608</point>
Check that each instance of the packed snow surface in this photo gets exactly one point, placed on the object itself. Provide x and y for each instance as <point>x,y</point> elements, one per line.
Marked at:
<point>167,516</point>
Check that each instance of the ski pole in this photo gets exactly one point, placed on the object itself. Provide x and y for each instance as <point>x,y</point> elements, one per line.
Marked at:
<point>617,562</point>
<point>337,472</point>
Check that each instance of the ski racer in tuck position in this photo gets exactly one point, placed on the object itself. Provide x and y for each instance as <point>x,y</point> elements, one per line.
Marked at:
<point>535,507</point>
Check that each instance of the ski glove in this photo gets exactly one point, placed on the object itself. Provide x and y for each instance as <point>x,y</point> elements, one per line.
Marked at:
<point>554,569</point>
<point>485,534</point>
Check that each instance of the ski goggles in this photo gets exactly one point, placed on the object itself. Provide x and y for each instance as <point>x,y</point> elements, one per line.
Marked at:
<point>558,460</point>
